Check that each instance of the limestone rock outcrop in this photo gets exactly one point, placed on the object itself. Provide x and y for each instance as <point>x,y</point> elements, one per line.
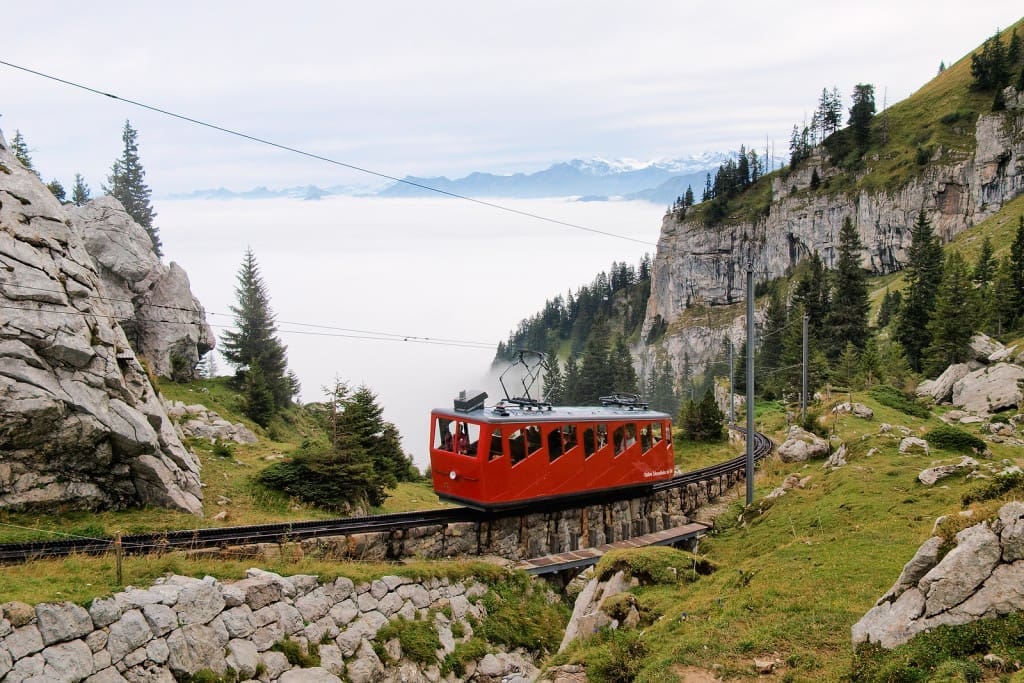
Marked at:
<point>154,303</point>
<point>80,423</point>
<point>801,445</point>
<point>982,577</point>
<point>956,190</point>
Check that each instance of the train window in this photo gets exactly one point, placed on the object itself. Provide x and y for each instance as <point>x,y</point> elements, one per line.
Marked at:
<point>569,440</point>
<point>645,437</point>
<point>602,435</point>
<point>555,444</point>
<point>589,442</point>
<point>656,431</point>
<point>467,438</point>
<point>619,437</point>
<point>517,446</point>
<point>496,449</point>
<point>444,437</point>
<point>533,441</point>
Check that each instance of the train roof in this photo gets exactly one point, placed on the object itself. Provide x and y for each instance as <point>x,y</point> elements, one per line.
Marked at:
<point>504,413</point>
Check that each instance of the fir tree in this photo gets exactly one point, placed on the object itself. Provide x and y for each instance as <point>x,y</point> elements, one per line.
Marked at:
<point>889,308</point>
<point>554,384</point>
<point>596,377</point>
<point>811,291</point>
<point>848,366</point>
<point>1017,271</point>
<point>702,420</point>
<point>923,274</point>
<point>770,349</point>
<point>80,192</point>
<point>861,113</point>
<point>20,149</point>
<point>1002,303</point>
<point>951,325</point>
<point>848,310</point>
<point>254,344</point>
<point>990,67</point>
<point>128,185</point>
<point>572,382</point>
<point>624,377</point>
<point>661,390</point>
<point>57,190</point>
<point>362,418</point>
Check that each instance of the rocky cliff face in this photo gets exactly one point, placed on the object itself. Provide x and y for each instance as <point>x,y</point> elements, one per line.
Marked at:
<point>164,322</point>
<point>80,423</point>
<point>697,263</point>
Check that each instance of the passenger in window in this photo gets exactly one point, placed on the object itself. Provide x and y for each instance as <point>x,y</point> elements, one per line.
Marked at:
<point>645,438</point>
<point>630,435</point>
<point>446,442</point>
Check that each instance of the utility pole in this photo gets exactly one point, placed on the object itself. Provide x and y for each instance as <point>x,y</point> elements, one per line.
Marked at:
<point>803,390</point>
<point>732,395</point>
<point>750,382</point>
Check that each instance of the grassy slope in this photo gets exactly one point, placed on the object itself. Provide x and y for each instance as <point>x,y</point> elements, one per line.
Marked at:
<point>794,578</point>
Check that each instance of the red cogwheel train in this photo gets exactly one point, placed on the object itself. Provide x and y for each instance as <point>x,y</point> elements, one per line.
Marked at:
<point>524,451</point>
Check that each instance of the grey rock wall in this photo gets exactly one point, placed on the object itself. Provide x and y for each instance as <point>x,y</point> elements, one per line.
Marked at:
<point>80,423</point>
<point>181,625</point>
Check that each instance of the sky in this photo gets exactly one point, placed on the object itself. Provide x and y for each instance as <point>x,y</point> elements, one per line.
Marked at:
<point>448,87</point>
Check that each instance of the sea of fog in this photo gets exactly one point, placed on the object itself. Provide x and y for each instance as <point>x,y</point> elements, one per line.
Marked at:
<point>343,271</point>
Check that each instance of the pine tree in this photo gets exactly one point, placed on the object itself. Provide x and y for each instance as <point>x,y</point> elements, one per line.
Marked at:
<point>770,348</point>
<point>982,275</point>
<point>128,185</point>
<point>254,344</point>
<point>811,291</point>
<point>702,420</point>
<point>80,192</point>
<point>596,378</point>
<point>847,366</point>
<point>890,308</point>
<point>624,377</point>
<point>848,311</point>
<point>661,390</point>
<point>1002,304</point>
<point>1017,271</point>
<point>554,383</point>
<point>990,68</point>
<point>923,274</point>
<point>362,418</point>
<point>57,190</point>
<point>572,382</point>
<point>951,325</point>
<point>861,113</point>
<point>20,149</point>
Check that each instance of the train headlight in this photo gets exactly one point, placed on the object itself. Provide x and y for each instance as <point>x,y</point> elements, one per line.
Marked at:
<point>451,475</point>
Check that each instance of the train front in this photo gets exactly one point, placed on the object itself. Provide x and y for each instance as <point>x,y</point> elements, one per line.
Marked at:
<point>454,448</point>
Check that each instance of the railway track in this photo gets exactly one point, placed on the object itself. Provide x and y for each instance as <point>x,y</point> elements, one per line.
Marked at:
<point>193,539</point>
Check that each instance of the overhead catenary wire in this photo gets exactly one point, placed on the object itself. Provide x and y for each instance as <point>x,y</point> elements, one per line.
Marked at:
<point>320,157</point>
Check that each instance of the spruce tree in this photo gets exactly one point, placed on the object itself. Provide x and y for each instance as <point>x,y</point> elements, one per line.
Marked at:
<point>861,113</point>
<point>848,310</point>
<point>770,345</point>
<point>1017,271</point>
<point>554,383</point>
<point>811,291</point>
<point>57,190</point>
<point>572,382</point>
<point>362,418</point>
<point>128,185</point>
<point>80,192</point>
<point>951,325</point>
<point>254,344</point>
<point>1002,303</point>
<point>20,149</point>
<point>624,377</point>
<point>596,379</point>
<point>661,388</point>
<point>923,274</point>
<point>889,308</point>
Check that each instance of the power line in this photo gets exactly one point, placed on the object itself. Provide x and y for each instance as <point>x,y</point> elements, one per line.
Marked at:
<point>318,157</point>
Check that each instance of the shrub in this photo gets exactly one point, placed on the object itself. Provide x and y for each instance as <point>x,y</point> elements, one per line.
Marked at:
<point>617,656</point>
<point>892,397</point>
<point>952,438</point>
<point>996,487</point>
<point>455,662</point>
<point>519,614</point>
<point>296,655</point>
<point>418,638</point>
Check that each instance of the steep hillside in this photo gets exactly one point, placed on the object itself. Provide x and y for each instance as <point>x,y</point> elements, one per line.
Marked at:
<point>943,151</point>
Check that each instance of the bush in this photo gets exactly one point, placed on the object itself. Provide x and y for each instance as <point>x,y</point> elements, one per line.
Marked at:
<point>418,638</point>
<point>994,488</point>
<point>950,438</point>
<point>617,656</point>
<point>519,614</point>
<point>892,397</point>
<point>455,662</point>
<point>296,655</point>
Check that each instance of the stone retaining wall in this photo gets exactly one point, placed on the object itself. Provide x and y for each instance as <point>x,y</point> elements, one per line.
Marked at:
<point>517,537</point>
<point>180,626</point>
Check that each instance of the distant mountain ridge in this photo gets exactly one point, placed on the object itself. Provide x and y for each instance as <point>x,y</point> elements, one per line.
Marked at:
<point>658,181</point>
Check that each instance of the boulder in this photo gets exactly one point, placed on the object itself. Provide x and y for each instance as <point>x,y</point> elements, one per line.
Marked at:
<point>801,445</point>
<point>990,389</point>
<point>982,347</point>
<point>854,408</point>
<point>166,324</point>
<point>934,474</point>
<point>910,445</point>
<point>82,426</point>
<point>940,389</point>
